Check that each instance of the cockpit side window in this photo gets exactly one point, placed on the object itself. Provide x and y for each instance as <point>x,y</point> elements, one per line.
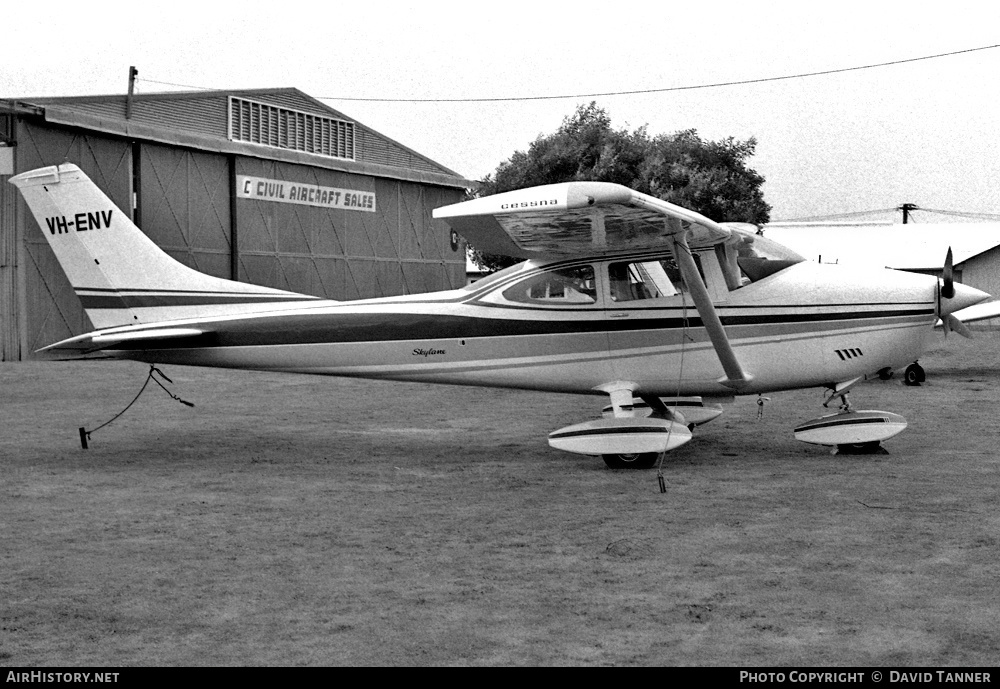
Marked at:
<point>643,280</point>
<point>573,286</point>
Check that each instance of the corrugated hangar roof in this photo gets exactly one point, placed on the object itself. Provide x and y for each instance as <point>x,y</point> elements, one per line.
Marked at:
<point>913,246</point>
<point>202,120</point>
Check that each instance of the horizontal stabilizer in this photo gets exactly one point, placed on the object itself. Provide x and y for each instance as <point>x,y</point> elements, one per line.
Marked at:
<point>155,334</point>
<point>90,344</point>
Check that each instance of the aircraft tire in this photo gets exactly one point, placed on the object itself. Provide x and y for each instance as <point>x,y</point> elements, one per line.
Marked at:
<point>643,460</point>
<point>914,374</point>
<point>871,448</point>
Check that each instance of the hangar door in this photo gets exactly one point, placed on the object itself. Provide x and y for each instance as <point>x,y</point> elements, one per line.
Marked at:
<point>52,310</point>
<point>391,247</point>
<point>184,205</point>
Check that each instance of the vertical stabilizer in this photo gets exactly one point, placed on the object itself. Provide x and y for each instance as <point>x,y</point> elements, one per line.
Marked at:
<point>120,275</point>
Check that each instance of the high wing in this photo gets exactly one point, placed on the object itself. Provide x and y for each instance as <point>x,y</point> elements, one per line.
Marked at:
<point>600,219</point>
<point>576,218</point>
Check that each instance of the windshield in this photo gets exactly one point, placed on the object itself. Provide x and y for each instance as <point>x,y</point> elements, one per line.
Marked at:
<point>760,257</point>
<point>762,247</point>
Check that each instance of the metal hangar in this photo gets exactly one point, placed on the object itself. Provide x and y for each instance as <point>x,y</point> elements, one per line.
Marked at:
<point>269,186</point>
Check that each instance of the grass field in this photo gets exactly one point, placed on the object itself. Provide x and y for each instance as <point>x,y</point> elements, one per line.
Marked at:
<point>291,520</point>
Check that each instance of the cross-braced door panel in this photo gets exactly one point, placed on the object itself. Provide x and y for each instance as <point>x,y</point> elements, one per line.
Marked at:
<point>53,311</point>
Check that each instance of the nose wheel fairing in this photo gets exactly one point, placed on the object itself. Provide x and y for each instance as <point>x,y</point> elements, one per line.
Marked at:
<point>851,431</point>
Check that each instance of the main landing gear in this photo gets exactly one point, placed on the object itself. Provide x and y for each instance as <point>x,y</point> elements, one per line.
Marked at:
<point>913,375</point>
<point>636,460</point>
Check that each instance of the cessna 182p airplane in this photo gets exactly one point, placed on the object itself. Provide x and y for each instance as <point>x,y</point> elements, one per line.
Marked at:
<point>622,294</point>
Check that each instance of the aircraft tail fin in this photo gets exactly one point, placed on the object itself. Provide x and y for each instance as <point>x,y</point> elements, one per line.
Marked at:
<point>120,275</point>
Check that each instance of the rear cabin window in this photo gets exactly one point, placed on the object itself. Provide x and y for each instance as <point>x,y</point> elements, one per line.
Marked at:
<point>563,287</point>
<point>494,277</point>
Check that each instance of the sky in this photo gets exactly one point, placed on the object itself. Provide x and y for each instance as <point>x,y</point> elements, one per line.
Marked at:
<point>923,132</point>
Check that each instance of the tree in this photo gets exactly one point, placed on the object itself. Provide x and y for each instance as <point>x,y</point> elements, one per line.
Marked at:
<point>710,177</point>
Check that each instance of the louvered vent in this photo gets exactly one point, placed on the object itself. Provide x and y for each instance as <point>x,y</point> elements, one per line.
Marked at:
<point>270,125</point>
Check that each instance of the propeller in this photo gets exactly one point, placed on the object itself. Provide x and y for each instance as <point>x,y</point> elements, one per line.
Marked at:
<point>946,290</point>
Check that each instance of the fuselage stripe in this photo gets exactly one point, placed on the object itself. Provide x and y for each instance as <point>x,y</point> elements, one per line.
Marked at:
<point>135,301</point>
<point>306,328</point>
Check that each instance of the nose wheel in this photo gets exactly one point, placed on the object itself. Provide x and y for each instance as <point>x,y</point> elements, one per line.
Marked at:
<point>914,374</point>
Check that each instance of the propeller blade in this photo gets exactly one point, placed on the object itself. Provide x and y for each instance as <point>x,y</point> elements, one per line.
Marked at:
<point>948,288</point>
<point>951,322</point>
<point>937,305</point>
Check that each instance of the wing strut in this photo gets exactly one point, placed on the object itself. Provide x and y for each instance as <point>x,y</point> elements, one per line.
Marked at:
<point>736,377</point>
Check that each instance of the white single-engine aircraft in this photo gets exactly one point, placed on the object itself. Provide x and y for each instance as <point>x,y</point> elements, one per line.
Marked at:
<point>622,295</point>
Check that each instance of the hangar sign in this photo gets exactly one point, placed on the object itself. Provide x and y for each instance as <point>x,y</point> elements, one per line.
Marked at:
<point>281,191</point>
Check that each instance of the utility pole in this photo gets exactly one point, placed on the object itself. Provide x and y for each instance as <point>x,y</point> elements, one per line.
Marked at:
<point>132,72</point>
<point>906,208</point>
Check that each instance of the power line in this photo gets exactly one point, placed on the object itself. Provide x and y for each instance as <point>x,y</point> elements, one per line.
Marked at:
<point>836,216</point>
<point>964,214</point>
<point>660,90</point>
<point>623,93</point>
<point>920,209</point>
<point>168,83</point>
